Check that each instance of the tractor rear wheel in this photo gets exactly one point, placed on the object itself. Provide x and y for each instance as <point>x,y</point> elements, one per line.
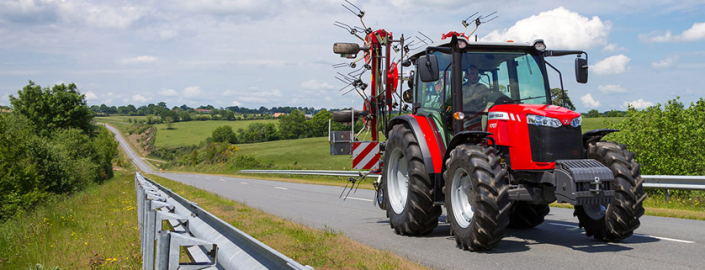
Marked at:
<point>619,219</point>
<point>407,186</point>
<point>525,215</point>
<point>477,197</point>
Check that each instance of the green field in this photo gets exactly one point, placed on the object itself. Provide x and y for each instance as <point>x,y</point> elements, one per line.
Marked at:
<point>598,123</point>
<point>182,133</point>
<point>193,132</point>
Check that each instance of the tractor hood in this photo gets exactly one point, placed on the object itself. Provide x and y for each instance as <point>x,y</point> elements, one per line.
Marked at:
<point>521,110</point>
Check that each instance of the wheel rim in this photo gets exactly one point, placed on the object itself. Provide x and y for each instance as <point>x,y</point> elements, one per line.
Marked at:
<point>461,191</point>
<point>398,180</point>
<point>595,211</point>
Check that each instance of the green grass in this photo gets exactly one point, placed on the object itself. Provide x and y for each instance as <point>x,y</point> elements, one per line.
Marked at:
<point>309,153</point>
<point>599,123</point>
<point>193,132</point>
<point>322,249</point>
<point>92,229</point>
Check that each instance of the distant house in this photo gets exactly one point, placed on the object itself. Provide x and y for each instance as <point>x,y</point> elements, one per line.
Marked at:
<point>5,111</point>
<point>278,114</point>
<point>202,111</point>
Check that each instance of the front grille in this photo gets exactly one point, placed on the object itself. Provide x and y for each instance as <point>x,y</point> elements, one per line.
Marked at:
<point>550,144</point>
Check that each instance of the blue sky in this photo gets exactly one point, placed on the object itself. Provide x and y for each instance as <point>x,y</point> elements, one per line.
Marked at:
<point>270,53</point>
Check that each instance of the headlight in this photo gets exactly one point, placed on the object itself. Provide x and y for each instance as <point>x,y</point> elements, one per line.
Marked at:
<point>543,121</point>
<point>577,121</point>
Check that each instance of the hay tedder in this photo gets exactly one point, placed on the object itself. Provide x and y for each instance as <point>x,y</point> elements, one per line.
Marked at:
<point>476,132</point>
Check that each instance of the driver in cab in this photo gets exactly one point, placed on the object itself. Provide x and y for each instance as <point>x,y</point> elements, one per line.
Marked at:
<point>474,92</point>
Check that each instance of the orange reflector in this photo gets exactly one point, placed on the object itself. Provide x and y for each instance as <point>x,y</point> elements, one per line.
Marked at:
<point>510,41</point>
<point>459,116</point>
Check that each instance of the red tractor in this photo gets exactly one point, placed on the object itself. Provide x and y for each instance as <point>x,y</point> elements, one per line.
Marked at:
<point>482,139</point>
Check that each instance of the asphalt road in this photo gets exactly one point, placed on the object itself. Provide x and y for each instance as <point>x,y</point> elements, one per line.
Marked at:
<point>660,243</point>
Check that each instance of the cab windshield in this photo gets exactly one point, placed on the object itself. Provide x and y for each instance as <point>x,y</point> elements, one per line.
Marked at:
<point>501,77</point>
<point>489,78</point>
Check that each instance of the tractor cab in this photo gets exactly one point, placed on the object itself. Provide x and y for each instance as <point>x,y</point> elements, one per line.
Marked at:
<point>489,74</point>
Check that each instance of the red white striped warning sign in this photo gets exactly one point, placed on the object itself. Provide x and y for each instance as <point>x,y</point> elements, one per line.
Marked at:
<point>365,155</point>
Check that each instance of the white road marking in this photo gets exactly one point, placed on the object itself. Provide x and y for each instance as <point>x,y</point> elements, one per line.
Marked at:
<point>360,199</point>
<point>222,180</point>
<point>636,234</point>
<point>665,238</point>
<point>244,183</point>
<point>283,188</point>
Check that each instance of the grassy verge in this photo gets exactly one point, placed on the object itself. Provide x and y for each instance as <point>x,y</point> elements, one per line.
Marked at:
<point>92,229</point>
<point>322,249</point>
<point>656,205</point>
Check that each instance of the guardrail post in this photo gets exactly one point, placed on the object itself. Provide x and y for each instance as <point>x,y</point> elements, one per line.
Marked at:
<point>162,259</point>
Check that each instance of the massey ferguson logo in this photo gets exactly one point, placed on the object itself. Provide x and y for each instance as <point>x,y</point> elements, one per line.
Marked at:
<point>566,121</point>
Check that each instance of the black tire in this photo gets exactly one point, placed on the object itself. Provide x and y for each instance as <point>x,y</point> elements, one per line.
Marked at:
<point>407,187</point>
<point>621,217</point>
<point>525,215</point>
<point>487,202</point>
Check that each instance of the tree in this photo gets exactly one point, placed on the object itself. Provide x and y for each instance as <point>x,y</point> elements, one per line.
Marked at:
<point>318,124</point>
<point>61,107</point>
<point>615,113</point>
<point>270,132</point>
<point>557,99</point>
<point>162,104</point>
<point>185,116</point>
<point>293,126</point>
<point>169,120</point>
<point>593,113</point>
<point>224,134</point>
<point>169,113</point>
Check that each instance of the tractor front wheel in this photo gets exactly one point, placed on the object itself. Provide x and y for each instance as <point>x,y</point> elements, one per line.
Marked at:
<point>619,219</point>
<point>477,198</point>
<point>407,186</point>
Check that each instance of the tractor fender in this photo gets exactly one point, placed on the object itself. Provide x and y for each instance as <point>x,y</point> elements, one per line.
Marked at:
<point>426,135</point>
<point>465,137</point>
<point>595,136</point>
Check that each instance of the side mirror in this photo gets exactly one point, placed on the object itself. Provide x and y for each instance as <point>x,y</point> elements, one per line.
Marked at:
<point>581,70</point>
<point>427,66</point>
<point>407,96</point>
<point>346,50</point>
<point>410,82</point>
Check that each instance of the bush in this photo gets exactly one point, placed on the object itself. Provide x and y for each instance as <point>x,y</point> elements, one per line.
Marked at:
<point>224,134</point>
<point>668,141</point>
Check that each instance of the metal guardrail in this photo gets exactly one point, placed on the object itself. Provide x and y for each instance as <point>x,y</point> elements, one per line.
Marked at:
<point>210,241</point>
<point>650,181</point>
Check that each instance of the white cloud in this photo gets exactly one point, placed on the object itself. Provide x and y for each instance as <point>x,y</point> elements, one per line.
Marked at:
<point>139,98</point>
<point>665,63</point>
<point>168,92</point>
<point>695,33</point>
<point>236,103</point>
<point>91,96</point>
<point>638,104</point>
<point>612,88</point>
<point>589,102</point>
<point>139,59</point>
<point>192,92</point>
<point>611,65</point>
<point>559,28</point>
<point>613,48</point>
<point>316,85</point>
